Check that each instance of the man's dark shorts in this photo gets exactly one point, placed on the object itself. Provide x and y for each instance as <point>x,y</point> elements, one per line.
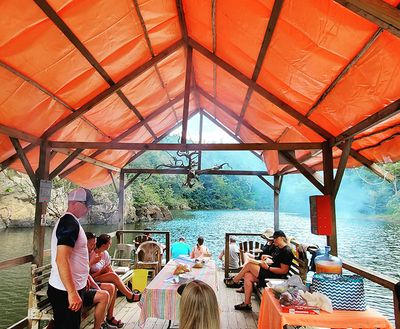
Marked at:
<point>64,318</point>
<point>88,297</point>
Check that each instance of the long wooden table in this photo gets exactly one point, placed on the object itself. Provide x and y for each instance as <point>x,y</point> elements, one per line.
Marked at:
<point>271,317</point>
<point>160,298</point>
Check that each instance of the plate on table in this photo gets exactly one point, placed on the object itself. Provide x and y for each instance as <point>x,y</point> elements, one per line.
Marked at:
<point>186,277</point>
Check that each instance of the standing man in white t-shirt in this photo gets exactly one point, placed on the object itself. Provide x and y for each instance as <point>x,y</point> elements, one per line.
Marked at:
<point>69,260</point>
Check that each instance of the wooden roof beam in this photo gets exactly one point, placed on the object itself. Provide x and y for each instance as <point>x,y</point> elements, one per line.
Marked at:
<point>112,89</point>
<point>128,132</point>
<point>186,147</point>
<point>227,131</point>
<point>18,134</point>
<point>25,162</point>
<point>263,51</point>
<point>198,172</point>
<point>71,157</point>
<point>382,115</point>
<point>138,154</point>
<point>87,159</point>
<point>257,88</point>
<point>182,21</point>
<point>376,11</point>
<point>341,167</point>
<point>186,101</point>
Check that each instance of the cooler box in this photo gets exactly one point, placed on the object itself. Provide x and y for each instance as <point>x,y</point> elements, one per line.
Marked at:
<point>139,279</point>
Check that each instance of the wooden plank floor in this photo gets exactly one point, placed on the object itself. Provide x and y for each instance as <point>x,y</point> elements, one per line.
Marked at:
<point>129,312</point>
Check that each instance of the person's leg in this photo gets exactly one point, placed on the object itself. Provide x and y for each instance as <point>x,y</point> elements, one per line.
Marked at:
<point>249,279</point>
<point>64,318</point>
<point>110,288</point>
<point>112,277</point>
<point>249,267</point>
<point>101,299</point>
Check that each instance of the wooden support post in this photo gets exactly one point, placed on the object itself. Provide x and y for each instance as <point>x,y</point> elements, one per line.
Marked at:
<point>396,306</point>
<point>277,189</point>
<point>113,181</point>
<point>41,207</point>
<point>121,197</point>
<point>168,246</point>
<point>200,139</point>
<point>226,263</point>
<point>328,185</point>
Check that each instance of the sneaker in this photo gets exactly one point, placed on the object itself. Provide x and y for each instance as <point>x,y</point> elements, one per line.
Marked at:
<point>243,307</point>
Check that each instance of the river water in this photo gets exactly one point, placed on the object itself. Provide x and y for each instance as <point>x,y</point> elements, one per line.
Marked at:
<point>370,242</point>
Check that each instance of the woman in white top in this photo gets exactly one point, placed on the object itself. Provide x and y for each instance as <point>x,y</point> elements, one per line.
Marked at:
<point>199,250</point>
<point>100,266</point>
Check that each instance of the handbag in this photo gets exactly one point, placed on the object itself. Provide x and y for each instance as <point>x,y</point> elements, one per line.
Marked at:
<point>345,291</point>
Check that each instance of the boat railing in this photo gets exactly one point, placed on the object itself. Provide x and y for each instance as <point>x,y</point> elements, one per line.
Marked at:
<point>376,277</point>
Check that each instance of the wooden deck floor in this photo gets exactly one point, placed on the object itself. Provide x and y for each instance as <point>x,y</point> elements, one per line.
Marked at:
<point>129,312</point>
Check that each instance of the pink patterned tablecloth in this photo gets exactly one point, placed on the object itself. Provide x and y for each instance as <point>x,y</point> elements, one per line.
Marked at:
<point>160,298</point>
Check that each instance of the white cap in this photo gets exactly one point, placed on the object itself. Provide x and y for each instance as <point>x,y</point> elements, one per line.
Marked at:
<point>82,195</point>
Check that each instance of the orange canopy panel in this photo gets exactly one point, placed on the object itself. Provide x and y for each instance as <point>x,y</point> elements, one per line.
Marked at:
<point>104,70</point>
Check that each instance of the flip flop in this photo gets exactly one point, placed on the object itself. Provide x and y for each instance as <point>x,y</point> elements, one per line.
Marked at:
<point>114,322</point>
<point>232,284</point>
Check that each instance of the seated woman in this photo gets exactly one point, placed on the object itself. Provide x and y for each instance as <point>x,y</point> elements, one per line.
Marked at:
<point>200,250</point>
<point>198,306</point>
<point>101,270</point>
<point>282,258</point>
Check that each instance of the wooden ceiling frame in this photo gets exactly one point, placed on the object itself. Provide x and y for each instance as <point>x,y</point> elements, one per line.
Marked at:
<point>186,147</point>
<point>63,27</point>
<point>386,113</point>
<point>149,45</point>
<point>198,172</point>
<point>273,19</point>
<point>259,89</point>
<point>138,154</point>
<point>376,132</point>
<point>24,160</point>
<point>129,131</point>
<point>227,131</point>
<point>186,101</point>
<point>284,107</point>
<point>376,11</point>
<point>309,173</point>
<point>342,166</point>
<point>111,90</point>
<point>71,157</point>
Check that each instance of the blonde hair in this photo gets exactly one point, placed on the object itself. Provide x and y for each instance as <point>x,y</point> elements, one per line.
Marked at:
<point>199,307</point>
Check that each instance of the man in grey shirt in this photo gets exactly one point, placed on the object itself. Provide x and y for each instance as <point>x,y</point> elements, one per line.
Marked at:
<point>233,253</point>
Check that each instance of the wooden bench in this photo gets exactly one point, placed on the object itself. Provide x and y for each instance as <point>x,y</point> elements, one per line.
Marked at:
<point>39,308</point>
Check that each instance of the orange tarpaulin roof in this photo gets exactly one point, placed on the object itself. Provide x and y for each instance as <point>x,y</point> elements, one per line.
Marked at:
<point>306,72</point>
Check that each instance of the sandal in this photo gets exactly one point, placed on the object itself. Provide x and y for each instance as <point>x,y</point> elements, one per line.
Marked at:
<point>240,290</point>
<point>114,322</point>
<point>232,284</point>
<point>135,296</point>
<point>243,307</point>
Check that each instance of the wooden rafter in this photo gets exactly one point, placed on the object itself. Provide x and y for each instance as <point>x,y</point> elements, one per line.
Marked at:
<point>18,134</point>
<point>131,181</point>
<point>306,170</point>
<point>227,131</point>
<point>341,167</point>
<point>188,147</point>
<point>9,161</point>
<point>263,51</point>
<point>108,92</point>
<point>129,131</point>
<point>266,182</point>
<point>200,172</point>
<point>259,89</point>
<point>376,11</point>
<point>52,14</point>
<point>382,115</point>
<point>24,160</point>
<point>138,154</point>
<point>182,21</point>
<point>88,159</point>
<point>186,101</point>
<point>71,157</point>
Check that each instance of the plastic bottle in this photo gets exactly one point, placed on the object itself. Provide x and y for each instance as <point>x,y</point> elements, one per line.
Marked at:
<point>327,263</point>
